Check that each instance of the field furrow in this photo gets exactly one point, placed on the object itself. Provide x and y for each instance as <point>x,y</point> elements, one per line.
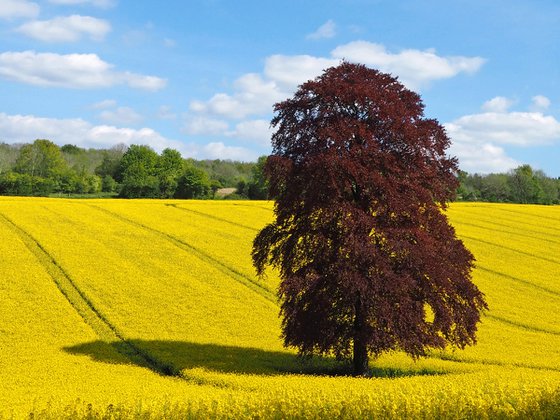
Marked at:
<point>230,271</point>
<point>209,216</point>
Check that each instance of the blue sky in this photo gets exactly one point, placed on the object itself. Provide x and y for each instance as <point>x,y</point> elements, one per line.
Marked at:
<point>201,76</point>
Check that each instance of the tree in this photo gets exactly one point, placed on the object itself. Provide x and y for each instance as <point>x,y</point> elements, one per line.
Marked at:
<point>194,183</point>
<point>110,163</point>
<point>524,186</point>
<point>258,188</point>
<point>367,259</point>
<point>169,168</point>
<point>138,169</point>
<point>42,158</point>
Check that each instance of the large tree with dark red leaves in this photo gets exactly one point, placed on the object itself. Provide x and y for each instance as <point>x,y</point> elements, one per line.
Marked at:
<point>367,258</point>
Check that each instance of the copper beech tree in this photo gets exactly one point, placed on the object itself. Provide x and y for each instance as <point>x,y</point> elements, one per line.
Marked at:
<point>367,259</point>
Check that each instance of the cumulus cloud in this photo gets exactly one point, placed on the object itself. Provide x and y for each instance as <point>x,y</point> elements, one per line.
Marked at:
<point>497,104</point>
<point>290,71</point>
<point>66,29</point>
<point>415,68</point>
<point>121,116</point>
<point>244,112</point>
<point>96,3</point>
<point>202,125</point>
<point>512,128</point>
<point>326,30</point>
<point>107,103</point>
<point>84,71</point>
<point>26,128</point>
<point>479,140</point>
<point>482,158</point>
<point>256,131</point>
<point>11,9</point>
<point>255,93</point>
<point>252,95</point>
<point>540,103</point>
<point>218,150</point>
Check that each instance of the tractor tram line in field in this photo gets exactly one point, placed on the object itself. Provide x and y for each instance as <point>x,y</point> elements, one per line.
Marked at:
<point>209,216</point>
<point>531,235</point>
<point>104,329</point>
<point>203,256</point>
<point>518,280</point>
<point>514,218</point>
<point>521,325</point>
<point>527,254</point>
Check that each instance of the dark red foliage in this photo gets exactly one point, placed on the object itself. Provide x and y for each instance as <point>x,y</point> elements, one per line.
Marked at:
<point>360,178</point>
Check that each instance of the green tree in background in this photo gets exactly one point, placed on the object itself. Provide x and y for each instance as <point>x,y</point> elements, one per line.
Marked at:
<point>524,186</point>
<point>258,187</point>
<point>169,168</point>
<point>194,183</point>
<point>138,171</point>
<point>42,158</point>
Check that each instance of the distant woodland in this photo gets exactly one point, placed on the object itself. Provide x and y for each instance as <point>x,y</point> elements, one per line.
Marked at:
<point>43,168</point>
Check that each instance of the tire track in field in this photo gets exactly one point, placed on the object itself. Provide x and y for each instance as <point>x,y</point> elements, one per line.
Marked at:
<point>450,357</point>
<point>512,222</point>
<point>521,325</point>
<point>203,256</point>
<point>550,260</point>
<point>209,216</point>
<point>518,280</point>
<point>525,214</point>
<point>509,232</point>
<point>85,308</point>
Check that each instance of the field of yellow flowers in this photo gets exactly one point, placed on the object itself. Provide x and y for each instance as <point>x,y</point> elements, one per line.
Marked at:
<point>151,309</point>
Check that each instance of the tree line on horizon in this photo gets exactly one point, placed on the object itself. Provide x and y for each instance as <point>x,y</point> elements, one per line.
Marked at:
<point>523,185</point>
<point>43,168</point>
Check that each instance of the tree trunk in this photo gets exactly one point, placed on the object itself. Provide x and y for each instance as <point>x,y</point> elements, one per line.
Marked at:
<point>361,359</point>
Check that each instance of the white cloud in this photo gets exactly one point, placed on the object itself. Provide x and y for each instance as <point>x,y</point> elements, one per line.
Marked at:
<point>479,139</point>
<point>71,71</point>
<point>252,96</point>
<point>291,71</point>
<point>513,128</point>
<point>120,116</point>
<point>107,103</point>
<point>497,104</point>
<point>326,30</point>
<point>26,128</point>
<point>482,158</point>
<point>415,68</point>
<point>218,150</point>
<point>202,125</point>
<point>10,9</point>
<point>66,29</point>
<point>540,103</point>
<point>256,131</point>
<point>96,3</point>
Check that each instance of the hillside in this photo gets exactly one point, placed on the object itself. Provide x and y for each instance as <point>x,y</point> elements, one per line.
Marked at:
<point>152,307</point>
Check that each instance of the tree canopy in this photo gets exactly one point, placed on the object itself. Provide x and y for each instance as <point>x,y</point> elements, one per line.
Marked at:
<point>367,258</point>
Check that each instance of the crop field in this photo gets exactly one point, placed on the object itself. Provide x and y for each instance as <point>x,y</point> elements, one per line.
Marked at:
<point>151,309</point>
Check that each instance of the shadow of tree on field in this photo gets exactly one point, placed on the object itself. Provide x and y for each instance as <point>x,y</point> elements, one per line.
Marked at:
<point>170,357</point>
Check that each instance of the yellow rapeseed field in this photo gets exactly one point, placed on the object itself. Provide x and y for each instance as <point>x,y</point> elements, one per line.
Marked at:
<point>151,309</point>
